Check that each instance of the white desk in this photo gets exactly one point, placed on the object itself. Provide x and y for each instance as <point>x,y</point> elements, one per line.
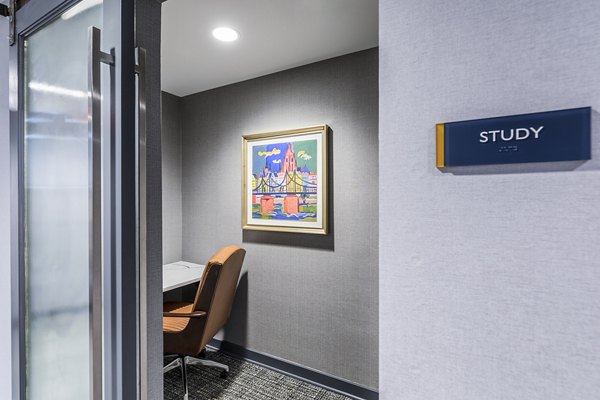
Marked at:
<point>181,273</point>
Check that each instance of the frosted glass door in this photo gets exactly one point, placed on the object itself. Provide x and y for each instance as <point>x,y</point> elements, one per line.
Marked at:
<point>56,210</point>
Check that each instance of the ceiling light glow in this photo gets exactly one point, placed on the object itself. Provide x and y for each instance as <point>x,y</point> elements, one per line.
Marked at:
<point>80,7</point>
<point>61,91</point>
<point>225,34</point>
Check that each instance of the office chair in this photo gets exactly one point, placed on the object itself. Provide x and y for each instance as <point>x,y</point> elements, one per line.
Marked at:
<point>188,327</point>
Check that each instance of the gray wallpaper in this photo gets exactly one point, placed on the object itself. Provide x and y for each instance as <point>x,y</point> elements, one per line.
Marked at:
<point>171,178</point>
<point>489,276</point>
<point>308,299</point>
<point>147,14</point>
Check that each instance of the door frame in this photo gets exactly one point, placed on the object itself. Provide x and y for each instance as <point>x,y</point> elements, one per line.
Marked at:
<point>118,35</point>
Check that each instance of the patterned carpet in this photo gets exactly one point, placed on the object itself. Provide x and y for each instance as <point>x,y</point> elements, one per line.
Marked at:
<point>246,381</point>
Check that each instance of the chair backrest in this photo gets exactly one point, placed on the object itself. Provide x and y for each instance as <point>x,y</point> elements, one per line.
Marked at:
<point>217,289</point>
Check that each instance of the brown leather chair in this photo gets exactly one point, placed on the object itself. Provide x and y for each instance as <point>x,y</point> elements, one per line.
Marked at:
<point>188,327</point>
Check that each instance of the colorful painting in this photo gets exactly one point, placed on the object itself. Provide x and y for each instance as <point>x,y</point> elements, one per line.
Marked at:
<point>284,181</point>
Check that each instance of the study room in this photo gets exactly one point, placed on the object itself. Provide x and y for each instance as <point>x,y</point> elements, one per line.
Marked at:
<point>269,200</point>
<point>299,200</point>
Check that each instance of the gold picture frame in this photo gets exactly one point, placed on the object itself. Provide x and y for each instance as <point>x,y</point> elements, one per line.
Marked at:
<point>284,181</point>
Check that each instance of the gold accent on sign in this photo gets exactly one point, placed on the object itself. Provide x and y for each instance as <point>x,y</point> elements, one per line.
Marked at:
<point>439,146</point>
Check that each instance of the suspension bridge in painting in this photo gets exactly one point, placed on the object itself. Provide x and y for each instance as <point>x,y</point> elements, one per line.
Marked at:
<point>291,183</point>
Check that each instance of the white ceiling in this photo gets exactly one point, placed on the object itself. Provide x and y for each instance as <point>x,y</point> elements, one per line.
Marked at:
<point>274,35</point>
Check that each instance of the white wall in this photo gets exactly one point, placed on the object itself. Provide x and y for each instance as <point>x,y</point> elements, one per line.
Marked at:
<point>489,276</point>
<point>5,304</point>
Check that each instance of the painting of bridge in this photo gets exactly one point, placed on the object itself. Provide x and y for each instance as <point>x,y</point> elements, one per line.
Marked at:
<point>285,180</point>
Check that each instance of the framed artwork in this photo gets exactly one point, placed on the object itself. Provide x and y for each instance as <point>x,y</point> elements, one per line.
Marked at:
<point>284,180</point>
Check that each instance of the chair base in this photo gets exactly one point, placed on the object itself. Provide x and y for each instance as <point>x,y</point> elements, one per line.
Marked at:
<point>182,361</point>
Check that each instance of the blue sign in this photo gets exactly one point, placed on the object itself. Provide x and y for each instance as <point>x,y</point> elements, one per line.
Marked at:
<point>563,135</point>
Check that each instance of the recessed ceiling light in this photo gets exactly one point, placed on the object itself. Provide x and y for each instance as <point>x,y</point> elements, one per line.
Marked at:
<point>225,34</point>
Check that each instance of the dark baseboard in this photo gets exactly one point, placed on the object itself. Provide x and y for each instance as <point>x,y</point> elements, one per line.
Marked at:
<point>297,371</point>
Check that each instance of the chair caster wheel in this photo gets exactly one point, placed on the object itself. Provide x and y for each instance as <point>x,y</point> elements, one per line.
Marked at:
<point>224,374</point>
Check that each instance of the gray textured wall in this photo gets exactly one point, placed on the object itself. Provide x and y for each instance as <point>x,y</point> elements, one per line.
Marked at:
<point>5,290</point>
<point>489,276</point>
<point>304,298</point>
<point>171,178</point>
<point>148,13</point>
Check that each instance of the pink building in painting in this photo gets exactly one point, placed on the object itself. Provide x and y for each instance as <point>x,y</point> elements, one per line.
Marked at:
<point>289,162</point>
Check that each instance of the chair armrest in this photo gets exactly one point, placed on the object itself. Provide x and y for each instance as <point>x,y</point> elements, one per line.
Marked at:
<point>193,314</point>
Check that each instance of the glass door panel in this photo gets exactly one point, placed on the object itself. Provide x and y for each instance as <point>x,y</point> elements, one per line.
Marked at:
<point>56,209</point>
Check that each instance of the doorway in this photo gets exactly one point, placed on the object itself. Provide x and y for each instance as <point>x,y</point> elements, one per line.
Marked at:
<point>231,69</point>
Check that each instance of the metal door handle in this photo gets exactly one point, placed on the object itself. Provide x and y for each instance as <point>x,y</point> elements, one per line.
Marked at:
<point>96,58</point>
<point>140,70</point>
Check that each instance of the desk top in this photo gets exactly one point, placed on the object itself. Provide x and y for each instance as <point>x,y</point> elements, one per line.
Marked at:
<point>181,273</point>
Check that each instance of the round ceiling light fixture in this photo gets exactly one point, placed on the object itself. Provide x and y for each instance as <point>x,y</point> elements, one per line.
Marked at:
<point>225,34</point>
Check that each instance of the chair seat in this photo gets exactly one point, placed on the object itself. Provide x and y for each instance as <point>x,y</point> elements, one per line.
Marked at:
<point>175,324</point>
